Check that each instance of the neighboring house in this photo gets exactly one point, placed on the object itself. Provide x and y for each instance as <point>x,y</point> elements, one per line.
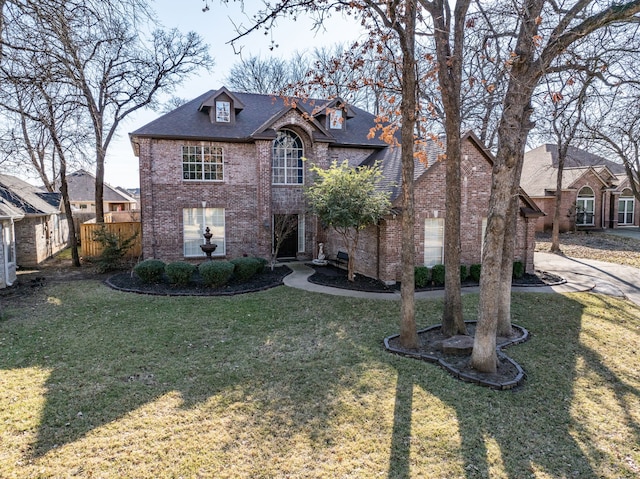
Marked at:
<point>234,161</point>
<point>43,231</point>
<point>82,194</point>
<point>595,191</point>
<point>8,264</point>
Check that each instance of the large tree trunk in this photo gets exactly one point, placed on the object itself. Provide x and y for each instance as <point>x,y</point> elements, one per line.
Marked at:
<point>99,192</point>
<point>504,309</point>
<point>449,59</point>
<point>408,330</point>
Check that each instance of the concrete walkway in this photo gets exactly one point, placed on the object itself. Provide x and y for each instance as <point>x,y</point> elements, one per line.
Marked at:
<point>581,275</point>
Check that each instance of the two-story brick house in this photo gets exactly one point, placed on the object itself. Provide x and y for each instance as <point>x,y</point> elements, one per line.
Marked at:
<point>234,161</point>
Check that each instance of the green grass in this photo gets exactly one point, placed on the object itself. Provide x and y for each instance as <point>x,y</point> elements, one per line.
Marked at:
<point>284,383</point>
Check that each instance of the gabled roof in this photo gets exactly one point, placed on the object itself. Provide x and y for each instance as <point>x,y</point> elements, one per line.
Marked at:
<point>188,122</point>
<point>8,211</point>
<point>82,187</point>
<point>540,169</point>
<point>27,198</point>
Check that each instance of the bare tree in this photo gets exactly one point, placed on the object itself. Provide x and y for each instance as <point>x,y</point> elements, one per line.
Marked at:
<point>98,49</point>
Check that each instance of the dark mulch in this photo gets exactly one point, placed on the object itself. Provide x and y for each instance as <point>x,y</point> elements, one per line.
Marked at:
<point>131,283</point>
<point>331,275</point>
<point>509,374</point>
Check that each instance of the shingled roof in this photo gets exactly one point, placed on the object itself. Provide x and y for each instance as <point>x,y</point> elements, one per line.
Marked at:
<point>82,187</point>
<point>254,119</point>
<point>540,168</point>
<point>27,198</point>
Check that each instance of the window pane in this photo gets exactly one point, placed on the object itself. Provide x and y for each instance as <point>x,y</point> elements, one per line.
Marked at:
<point>433,241</point>
<point>287,156</point>
<point>195,221</point>
<point>202,163</point>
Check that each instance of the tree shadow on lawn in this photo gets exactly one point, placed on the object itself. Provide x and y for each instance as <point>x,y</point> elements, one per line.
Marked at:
<point>529,430</point>
<point>251,350</point>
<point>287,373</point>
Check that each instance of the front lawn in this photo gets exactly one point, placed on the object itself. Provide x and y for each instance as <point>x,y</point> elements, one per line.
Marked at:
<point>284,383</point>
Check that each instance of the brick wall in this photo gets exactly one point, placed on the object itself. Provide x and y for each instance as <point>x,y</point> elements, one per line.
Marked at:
<point>39,238</point>
<point>384,241</point>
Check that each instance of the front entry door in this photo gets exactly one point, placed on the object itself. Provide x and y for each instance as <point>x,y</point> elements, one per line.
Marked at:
<point>289,247</point>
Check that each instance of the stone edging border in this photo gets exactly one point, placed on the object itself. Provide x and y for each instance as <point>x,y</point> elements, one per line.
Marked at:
<point>512,383</point>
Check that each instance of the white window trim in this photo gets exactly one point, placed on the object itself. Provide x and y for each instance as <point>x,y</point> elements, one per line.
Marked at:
<point>201,215</point>
<point>428,228</point>
<point>202,163</point>
<point>298,169</point>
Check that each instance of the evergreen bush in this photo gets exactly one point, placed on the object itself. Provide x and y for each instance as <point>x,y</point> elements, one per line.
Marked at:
<point>179,272</point>
<point>474,272</point>
<point>518,269</point>
<point>245,268</point>
<point>216,273</point>
<point>150,270</point>
<point>464,273</point>
<point>113,249</point>
<point>422,276</point>
<point>437,274</point>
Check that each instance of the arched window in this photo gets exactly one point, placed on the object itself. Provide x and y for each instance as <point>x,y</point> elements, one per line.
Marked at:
<point>585,206</point>
<point>287,168</point>
<point>626,205</point>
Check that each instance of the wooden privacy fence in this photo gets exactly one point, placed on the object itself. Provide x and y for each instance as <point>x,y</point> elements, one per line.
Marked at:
<point>92,248</point>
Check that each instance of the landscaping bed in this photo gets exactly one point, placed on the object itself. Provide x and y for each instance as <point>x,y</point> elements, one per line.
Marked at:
<point>264,280</point>
<point>335,277</point>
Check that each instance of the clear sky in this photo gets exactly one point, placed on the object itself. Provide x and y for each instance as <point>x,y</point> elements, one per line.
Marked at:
<point>217,27</point>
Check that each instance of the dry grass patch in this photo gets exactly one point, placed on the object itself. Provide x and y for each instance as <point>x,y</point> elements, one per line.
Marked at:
<point>595,245</point>
<point>283,383</point>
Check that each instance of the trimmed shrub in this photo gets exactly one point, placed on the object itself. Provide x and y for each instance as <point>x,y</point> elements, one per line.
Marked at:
<point>422,276</point>
<point>179,272</point>
<point>215,273</point>
<point>263,262</point>
<point>464,273</point>
<point>437,274</point>
<point>245,268</point>
<point>474,272</point>
<point>518,269</point>
<point>149,270</point>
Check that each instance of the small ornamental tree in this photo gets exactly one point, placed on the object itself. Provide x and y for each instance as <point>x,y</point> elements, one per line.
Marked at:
<point>348,199</point>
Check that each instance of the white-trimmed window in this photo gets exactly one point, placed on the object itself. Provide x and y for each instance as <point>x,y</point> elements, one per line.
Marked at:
<point>335,119</point>
<point>433,241</point>
<point>287,165</point>
<point>195,221</point>
<point>202,163</point>
<point>223,111</point>
<point>626,205</point>
<point>585,207</point>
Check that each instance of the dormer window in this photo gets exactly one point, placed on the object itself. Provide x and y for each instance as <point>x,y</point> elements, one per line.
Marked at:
<point>223,111</point>
<point>336,119</point>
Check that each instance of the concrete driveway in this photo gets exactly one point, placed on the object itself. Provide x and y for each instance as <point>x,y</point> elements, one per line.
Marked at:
<point>590,275</point>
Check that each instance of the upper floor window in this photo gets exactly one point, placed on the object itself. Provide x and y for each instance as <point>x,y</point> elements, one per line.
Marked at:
<point>335,119</point>
<point>287,165</point>
<point>202,162</point>
<point>223,111</point>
